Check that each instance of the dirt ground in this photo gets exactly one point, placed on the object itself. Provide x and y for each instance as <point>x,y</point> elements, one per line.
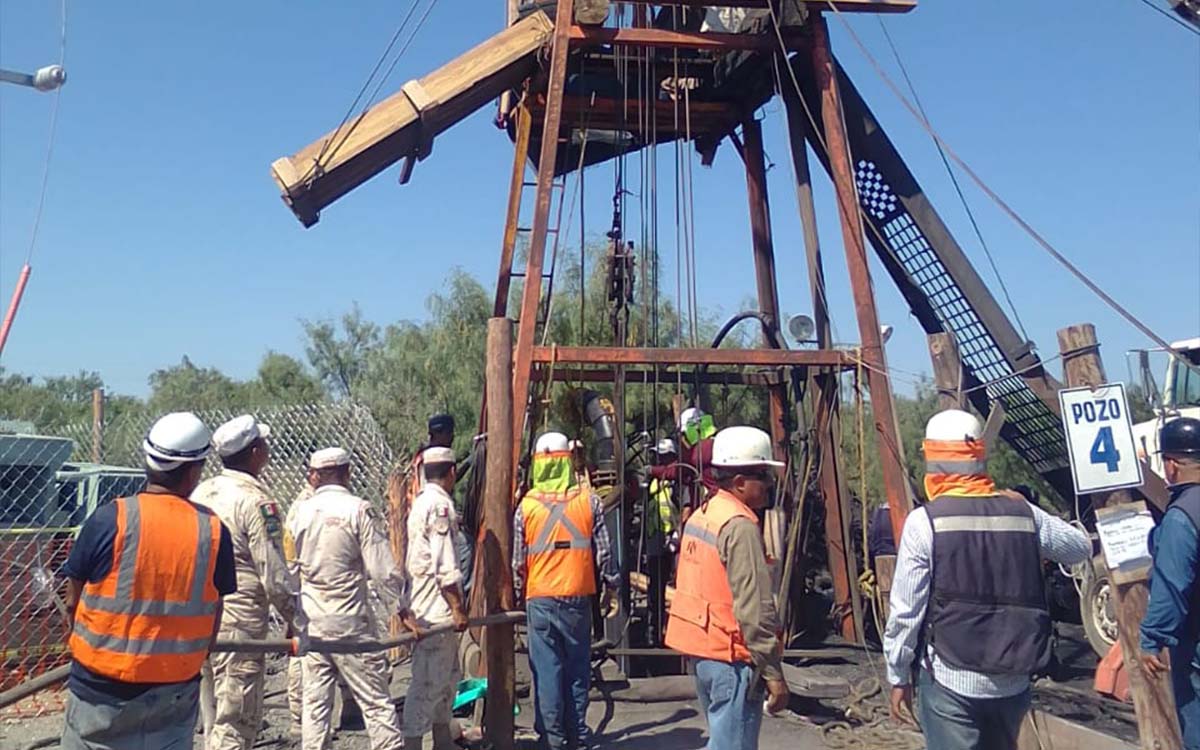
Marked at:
<point>626,720</point>
<point>655,714</point>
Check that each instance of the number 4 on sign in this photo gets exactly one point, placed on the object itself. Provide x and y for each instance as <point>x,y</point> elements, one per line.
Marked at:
<point>1104,450</point>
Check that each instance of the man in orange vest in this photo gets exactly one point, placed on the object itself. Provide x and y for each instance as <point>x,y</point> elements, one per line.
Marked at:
<point>559,541</point>
<point>145,580</point>
<point>723,614</point>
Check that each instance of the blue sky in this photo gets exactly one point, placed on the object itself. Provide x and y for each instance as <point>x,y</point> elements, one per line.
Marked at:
<point>164,234</point>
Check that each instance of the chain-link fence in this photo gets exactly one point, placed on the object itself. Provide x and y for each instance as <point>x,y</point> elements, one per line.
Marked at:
<point>50,483</point>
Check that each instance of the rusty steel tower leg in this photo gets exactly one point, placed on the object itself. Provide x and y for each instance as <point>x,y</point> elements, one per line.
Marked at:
<point>764,266</point>
<point>843,567</point>
<point>531,295</point>
<point>512,216</point>
<point>874,360</point>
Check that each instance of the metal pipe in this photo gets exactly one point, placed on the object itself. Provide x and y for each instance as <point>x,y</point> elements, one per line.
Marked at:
<point>36,684</point>
<point>11,315</point>
<point>352,645</point>
<point>271,646</point>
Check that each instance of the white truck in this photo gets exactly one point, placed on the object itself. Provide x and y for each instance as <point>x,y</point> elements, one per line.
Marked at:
<point>1179,396</point>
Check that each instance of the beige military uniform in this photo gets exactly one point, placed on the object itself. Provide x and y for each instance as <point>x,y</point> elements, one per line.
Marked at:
<point>263,579</point>
<point>432,565</point>
<point>340,544</point>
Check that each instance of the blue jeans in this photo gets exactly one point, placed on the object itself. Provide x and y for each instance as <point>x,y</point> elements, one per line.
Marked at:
<point>560,657</point>
<point>955,722</point>
<point>162,718</point>
<point>1185,682</point>
<point>732,705</point>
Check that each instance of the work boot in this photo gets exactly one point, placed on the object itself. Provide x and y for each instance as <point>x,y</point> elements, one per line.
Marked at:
<point>442,739</point>
<point>414,743</point>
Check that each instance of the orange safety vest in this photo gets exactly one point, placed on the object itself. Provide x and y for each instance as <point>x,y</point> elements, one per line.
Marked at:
<point>702,622</point>
<point>558,544</point>
<point>151,618</point>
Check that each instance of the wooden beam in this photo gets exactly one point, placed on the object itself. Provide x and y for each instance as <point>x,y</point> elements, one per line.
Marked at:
<point>947,371</point>
<point>618,355</point>
<point>601,36</point>
<point>608,113</point>
<point>495,536</point>
<point>405,123</point>
<point>1153,701</point>
<point>1043,731</point>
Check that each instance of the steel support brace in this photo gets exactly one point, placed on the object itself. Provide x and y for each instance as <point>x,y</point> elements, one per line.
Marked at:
<point>531,294</point>
<point>894,478</point>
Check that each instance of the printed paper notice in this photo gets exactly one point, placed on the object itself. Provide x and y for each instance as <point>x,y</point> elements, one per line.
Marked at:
<point>1125,538</point>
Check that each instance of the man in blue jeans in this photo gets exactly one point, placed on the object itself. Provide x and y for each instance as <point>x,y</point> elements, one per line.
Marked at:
<point>723,616</point>
<point>559,540</point>
<point>1172,619</point>
<point>968,607</point>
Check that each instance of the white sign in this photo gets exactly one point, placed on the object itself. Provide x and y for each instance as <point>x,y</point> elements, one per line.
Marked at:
<point>1100,438</point>
<point>1124,536</point>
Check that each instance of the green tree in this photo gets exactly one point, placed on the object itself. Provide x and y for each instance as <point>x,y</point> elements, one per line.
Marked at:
<point>338,352</point>
<point>187,387</point>
<point>285,380</point>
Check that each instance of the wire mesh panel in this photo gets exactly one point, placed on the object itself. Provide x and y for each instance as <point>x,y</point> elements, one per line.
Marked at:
<point>50,483</point>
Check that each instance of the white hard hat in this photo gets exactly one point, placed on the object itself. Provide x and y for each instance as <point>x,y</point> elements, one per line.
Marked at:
<point>689,415</point>
<point>743,446</point>
<point>237,434</point>
<point>327,458</point>
<point>176,439</point>
<point>552,442</point>
<point>438,456</point>
<point>953,425</point>
<point>666,445</point>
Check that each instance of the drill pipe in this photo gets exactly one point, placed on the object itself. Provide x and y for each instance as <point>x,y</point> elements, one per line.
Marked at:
<point>271,646</point>
<point>353,645</point>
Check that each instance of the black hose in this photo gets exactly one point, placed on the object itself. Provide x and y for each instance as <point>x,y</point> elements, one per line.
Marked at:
<point>768,325</point>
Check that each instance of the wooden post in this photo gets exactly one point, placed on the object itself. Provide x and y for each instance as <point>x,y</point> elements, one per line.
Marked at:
<point>1153,701</point>
<point>495,553</point>
<point>947,371</point>
<point>878,383</point>
<point>98,425</point>
<point>843,566</point>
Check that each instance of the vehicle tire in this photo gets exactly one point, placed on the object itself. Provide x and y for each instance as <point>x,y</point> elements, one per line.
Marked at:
<point>1097,608</point>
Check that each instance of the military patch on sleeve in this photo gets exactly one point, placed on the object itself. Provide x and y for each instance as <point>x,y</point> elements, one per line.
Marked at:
<point>270,515</point>
<point>441,518</point>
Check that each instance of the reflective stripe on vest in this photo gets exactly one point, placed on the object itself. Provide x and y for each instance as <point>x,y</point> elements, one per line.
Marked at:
<point>701,621</point>
<point>558,544</point>
<point>151,618</point>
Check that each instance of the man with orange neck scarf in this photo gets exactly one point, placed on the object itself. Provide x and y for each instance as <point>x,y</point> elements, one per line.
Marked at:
<point>969,623</point>
<point>560,542</point>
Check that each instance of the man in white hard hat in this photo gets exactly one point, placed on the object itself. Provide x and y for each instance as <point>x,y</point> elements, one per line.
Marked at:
<point>723,614</point>
<point>145,610</point>
<point>559,542</point>
<point>431,561</point>
<point>238,496</point>
<point>969,622</point>
<point>341,544</point>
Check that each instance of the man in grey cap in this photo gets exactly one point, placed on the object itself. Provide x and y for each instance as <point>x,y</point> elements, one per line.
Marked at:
<point>238,496</point>
<point>341,544</point>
